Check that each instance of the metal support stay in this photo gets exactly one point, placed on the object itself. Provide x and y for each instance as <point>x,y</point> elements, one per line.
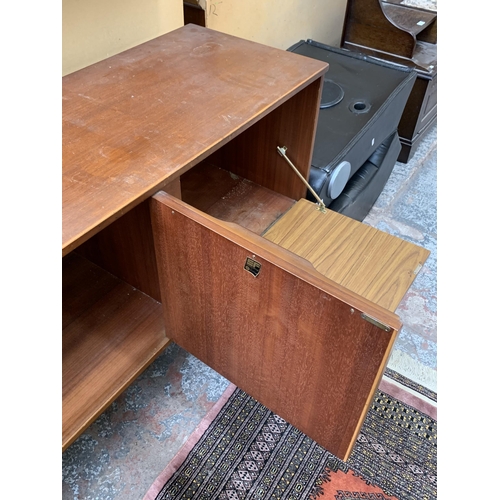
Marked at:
<point>321,205</point>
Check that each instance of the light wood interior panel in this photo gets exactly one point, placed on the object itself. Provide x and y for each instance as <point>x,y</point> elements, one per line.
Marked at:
<point>254,156</point>
<point>111,333</point>
<point>126,249</point>
<point>285,336</point>
<point>371,263</point>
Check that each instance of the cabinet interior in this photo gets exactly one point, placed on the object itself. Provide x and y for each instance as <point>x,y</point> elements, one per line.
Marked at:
<point>111,332</point>
<point>230,198</point>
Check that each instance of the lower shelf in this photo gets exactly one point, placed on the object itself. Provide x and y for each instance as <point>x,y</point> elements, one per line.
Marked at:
<point>111,333</point>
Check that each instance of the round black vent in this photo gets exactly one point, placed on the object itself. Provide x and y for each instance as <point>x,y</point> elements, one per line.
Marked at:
<point>360,106</point>
<point>332,94</point>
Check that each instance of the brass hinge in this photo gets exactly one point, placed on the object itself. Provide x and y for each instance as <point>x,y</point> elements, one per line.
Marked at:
<point>375,322</point>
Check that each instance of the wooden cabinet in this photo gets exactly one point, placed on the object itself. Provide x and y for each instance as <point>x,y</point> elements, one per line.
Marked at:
<point>181,221</point>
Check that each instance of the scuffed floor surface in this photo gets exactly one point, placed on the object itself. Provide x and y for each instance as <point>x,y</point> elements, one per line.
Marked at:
<point>123,452</point>
<point>407,208</point>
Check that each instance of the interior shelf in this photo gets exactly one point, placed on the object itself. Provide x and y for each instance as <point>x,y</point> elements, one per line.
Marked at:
<point>231,198</point>
<point>111,333</point>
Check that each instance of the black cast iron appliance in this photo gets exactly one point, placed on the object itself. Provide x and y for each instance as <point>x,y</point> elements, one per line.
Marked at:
<point>357,142</point>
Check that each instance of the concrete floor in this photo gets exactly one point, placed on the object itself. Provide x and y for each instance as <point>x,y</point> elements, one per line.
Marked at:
<point>407,207</point>
<point>122,453</point>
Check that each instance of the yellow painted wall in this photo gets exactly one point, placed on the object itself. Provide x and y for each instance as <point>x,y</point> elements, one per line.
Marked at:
<point>93,30</point>
<point>278,23</point>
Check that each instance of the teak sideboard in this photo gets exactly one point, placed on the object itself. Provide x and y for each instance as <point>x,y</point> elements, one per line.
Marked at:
<point>181,222</point>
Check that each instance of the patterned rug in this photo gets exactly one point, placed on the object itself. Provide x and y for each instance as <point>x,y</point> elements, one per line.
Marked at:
<point>244,451</point>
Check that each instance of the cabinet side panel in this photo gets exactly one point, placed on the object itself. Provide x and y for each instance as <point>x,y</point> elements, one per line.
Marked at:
<point>125,249</point>
<point>297,349</point>
<point>254,156</point>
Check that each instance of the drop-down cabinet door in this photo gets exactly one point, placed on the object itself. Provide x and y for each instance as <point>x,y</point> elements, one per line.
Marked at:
<point>309,349</point>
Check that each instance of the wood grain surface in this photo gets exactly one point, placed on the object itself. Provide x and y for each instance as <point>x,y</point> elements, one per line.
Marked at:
<point>137,120</point>
<point>111,333</point>
<point>411,20</point>
<point>289,337</point>
<point>371,263</point>
<point>366,25</point>
<point>230,198</point>
<point>429,33</point>
<point>125,248</point>
<point>254,156</point>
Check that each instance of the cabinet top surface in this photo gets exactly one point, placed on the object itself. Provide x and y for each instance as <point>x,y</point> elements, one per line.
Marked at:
<point>136,120</point>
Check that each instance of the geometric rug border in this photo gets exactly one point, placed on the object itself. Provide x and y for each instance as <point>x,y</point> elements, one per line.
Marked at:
<point>411,384</point>
<point>182,454</point>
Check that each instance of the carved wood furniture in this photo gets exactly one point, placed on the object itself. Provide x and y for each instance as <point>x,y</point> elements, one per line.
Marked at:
<point>170,178</point>
<point>393,32</point>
